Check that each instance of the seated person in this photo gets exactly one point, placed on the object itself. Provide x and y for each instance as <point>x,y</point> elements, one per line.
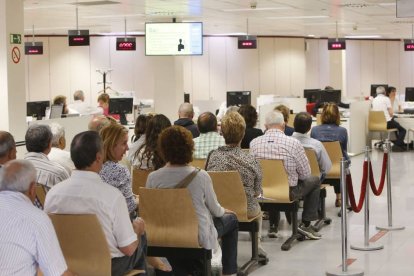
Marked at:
<point>28,239</point>
<point>209,138</point>
<point>249,115</point>
<point>185,119</point>
<point>61,100</point>
<point>395,103</point>
<point>147,156</point>
<point>58,153</point>
<point>286,112</point>
<point>103,102</point>
<point>85,193</point>
<point>330,131</point>
<point>98,122</point>
<point>176,146</point>
<point>320,104</point>
<point>138,139</point>
<point>232,158</point>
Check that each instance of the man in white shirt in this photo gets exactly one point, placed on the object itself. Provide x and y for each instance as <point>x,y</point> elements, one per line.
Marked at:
<point>57,153</point>
<point>383,103</point>
<point>7,147</point>
<point>27,237</point>
<point>81,107</point>
<point>302,125</point>
<point>85,193</point>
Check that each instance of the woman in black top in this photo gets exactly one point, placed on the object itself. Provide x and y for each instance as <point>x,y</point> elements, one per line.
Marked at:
<point>249,114</point>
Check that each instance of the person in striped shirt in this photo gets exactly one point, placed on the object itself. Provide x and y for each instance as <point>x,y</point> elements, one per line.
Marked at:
<point>209,138</point>
<point>28,241</point>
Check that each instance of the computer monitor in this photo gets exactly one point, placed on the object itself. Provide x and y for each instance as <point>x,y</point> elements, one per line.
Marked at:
<point>121,106</point>
<point>374,89</point>
<point>330,96</point>
<point>56,111</point>
<point>409,94</point>
<point>311,95</point>
<point>186,97</point>
<point>37,109</point>
<point>238,98</point>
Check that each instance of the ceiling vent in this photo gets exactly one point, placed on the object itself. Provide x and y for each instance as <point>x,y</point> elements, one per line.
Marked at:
<point>95,3</point>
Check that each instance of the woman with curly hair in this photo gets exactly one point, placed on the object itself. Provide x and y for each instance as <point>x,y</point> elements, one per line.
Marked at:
<point>147,156</point>
<point>249,114</point>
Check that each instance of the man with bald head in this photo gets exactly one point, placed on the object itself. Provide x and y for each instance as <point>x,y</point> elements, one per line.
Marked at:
<point>28,239</point>
<point>99,122</point>
<point>209,138</point>
<point>274,144</point>
<point>7,147</point>
<point>185,115</point>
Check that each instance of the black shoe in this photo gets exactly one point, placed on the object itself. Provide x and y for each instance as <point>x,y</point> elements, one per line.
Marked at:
<point>396,148</point>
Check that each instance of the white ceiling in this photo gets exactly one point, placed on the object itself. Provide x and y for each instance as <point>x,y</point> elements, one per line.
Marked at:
<point>223,17</point>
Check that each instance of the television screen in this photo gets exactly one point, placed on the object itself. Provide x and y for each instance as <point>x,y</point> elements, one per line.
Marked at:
<point>374,88</point>
<point>238,98</point>
<point>121,106</point>
<point>409,94</point>
<point>166,39</point>
<point>37,109</point>
<point>311,95</point>
<point>330,96</point>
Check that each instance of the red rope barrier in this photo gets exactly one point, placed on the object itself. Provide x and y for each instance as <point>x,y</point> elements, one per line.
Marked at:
<point>351,194</point>
<point>374,189</point>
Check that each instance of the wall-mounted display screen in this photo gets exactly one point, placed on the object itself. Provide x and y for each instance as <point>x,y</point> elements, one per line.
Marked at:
<point>125,44</point>
<point>173,39</point>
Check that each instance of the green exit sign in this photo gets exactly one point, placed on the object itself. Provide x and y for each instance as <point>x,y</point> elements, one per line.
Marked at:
<point>15,38</point>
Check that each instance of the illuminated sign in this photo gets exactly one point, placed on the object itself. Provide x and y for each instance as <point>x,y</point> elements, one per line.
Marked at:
<point>33,48</point>
<point>247,42</point>
<point>408,45</point>
<point>78,37</point>
<point>125,44</point>
<point>336,44</point>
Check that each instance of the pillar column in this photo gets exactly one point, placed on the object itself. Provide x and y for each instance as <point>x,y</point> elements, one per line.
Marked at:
<point>337,70</point>
<point>12,73</point>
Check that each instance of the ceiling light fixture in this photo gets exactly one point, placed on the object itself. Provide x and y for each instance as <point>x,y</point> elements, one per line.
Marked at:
<point>112,16</point>
<point>299,17</point>
<point>257,9</point>
<point>362,36</point>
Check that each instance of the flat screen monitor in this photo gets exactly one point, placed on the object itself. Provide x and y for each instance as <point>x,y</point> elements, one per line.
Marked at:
<point>311,95</point>
<point>330,96</point>
<point>374,89</point>
<point>37,109</point>
<point>409,94</point>
<point>121,106</point>
<point>238,98</point>
<point>56,111</point>
<point>174,39</point>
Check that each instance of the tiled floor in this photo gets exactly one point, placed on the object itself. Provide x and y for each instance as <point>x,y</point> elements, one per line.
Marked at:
<point>310,258</point>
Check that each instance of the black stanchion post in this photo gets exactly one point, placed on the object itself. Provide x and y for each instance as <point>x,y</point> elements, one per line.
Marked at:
<point>367,246</point>
<point>390,227</point>
<point>344,270</point>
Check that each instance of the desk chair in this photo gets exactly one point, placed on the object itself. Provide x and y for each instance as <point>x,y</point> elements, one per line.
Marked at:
<point>313,161</point>
<point>230,193</point>
<point>276,196</point>
<point>291,119</point>
<point>139,179</point>
<point>378,123</point>
<point>172,225</point>
<point>41,193</point>
<point>84,244</point>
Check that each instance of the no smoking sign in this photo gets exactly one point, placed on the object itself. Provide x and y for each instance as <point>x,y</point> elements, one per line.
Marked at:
<point>15,54</point>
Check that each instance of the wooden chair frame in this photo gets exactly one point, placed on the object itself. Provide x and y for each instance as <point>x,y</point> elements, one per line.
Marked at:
<point>378,123</point>
<point>139,179</point>
<point>231,195</point>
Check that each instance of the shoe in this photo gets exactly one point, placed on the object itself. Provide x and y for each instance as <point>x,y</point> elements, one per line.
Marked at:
<point>396,148</point>
<point>272,233</point>
<point>338,203</point>
<point>309,232</point>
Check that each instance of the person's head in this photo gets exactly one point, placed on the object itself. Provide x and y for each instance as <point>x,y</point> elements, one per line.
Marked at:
<point>176,145</point>
<point>391,92</point>
<point>380,90</point>
<point>61,100</point>
<point>58,138</point>
<point>86,151</point>
<point>328,87</point>
<point>249,115</point>
<point>186,111</point>
<point>232,108</point>
<point>103,100</point>
<point>38,138</point>
<point>274,119</point>
<point>207,122</point>
<point>303,122</point>
<point>78,95</point>
<point>7,147</point>
<point>115,142</point>
<point>284,110</point>
<point>233,127</point>
<point>99,122</point>
<point>330,114</point>
<point>19,176</point>
<point>141,125</point>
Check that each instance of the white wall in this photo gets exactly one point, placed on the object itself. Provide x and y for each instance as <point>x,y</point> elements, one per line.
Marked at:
<point>278,66</point>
